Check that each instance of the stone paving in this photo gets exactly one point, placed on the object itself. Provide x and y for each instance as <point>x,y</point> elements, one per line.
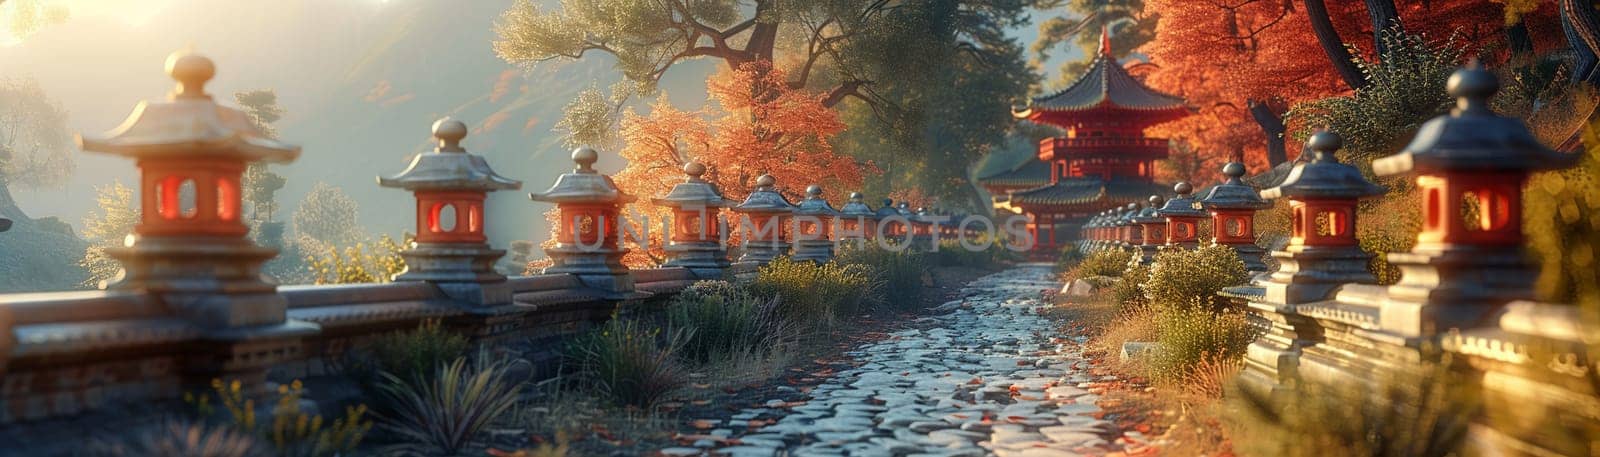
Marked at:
<point>988,375</point>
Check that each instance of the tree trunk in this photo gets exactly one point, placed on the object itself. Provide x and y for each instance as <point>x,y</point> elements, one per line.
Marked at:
<point>1384,18</point>
<point>1272,125</point>
<point>1338,54</point>
<point>1517,37</point>
<point>1582,27</point>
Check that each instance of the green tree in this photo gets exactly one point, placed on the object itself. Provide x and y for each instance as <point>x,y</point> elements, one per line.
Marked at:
<point>260,184</point>
<point>106,228</point>
<point>325,219</point>
<point>1130,26</point>
<point>26,17</point>
<point>35,144</point>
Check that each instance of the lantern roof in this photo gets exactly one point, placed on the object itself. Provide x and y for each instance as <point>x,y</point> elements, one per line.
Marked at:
<point>1128,213</point>
<point>904,208</point>
<point>694,192</point>
<point>449,166</point>
<point>1151,213</point>
<point>765,199</point>
<point>814,204</point>
<point>856,207</point>
<point>1234,193</point>
<point>1472,136</point>
<point>887,210</point>
<point>583,184</point>
<point>190,124</point>
<point>1184,205</point>
<point>1323,176</point>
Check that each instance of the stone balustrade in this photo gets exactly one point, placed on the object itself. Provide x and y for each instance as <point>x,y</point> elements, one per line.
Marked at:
<point>191,305</point>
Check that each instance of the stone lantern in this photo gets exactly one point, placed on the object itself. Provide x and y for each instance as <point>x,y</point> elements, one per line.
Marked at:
<point>1153,229</point>
<point>1322,251</point>
<point>451,250</point>
<point>696,241</point>
<point>1127,233</point>
<point>922,234</point>
<point>189,250</point>
<point>883,225</point>
<point>1321,256</point>
<point>1469,261</point>
<point>588,243</point>
<point>855,218</point>
<point>1233,205</point>
<point>768,213</point>
<point>1183,216</point>
<point>813,231</point>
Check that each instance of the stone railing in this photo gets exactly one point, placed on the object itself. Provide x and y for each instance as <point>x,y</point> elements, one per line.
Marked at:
<point>191,305</point>
<point>1463,302</point>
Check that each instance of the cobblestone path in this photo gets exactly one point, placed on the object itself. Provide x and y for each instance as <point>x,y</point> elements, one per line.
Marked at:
<point>986,376</point>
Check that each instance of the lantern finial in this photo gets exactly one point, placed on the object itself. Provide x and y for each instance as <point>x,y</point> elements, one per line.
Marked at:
<point>1183,188</point>
<point>585,157</point>
<point>1234,171</point>
<point>449,132</point>
<point>1325,144</point>
<point>694,170</point>
<point>765,181</point>
<point>192,71</point>
<point>814,190</point>
<point>1472,86</point>
<point>1156,201</point>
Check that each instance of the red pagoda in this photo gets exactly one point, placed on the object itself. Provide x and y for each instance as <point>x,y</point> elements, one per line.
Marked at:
<point>1104,160</point>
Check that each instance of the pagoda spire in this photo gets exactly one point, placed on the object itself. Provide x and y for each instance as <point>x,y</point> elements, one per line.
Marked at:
<point>1105,40</point>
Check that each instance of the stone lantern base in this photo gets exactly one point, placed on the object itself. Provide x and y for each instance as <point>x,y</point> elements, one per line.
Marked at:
<point>819,251</point>
<point>763,251</point>
<point>600,269</point>
<point>706,259</point>
<point>463,271</point>
<point>215,284</point>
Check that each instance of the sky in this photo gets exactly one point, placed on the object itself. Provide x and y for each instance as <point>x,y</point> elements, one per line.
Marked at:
<point>361,81</point>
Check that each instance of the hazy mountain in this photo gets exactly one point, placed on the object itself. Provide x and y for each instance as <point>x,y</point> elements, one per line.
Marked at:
<point>361,80</point>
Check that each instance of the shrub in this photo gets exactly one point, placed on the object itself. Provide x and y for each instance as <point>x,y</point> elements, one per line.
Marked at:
<point>1193,334</point>
<point>1128,291</point>
<point>721,319</point>
<point>1425,411</point>
<point>951,254</point>
<point>418,352</point>
<point>1183,276</point>
<point>1107,262</point>
<point>1069,258</point>
<point>445,412</point>
<point>816,293</point>
<point>361,263</point>
<point>293,432</point>
<point>183,439</point>
<point>904,274</point>
<point>628,362</point>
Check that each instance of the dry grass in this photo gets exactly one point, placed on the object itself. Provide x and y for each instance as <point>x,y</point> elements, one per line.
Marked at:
<point>1134,324</point>
<point>1209,379</point>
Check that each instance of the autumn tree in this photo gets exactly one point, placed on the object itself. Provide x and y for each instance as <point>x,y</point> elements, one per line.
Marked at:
<point>895,59</point>
<point>35,144</point>
<point>1130,23</point>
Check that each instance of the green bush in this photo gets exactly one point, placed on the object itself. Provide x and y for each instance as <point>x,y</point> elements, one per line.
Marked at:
<point>952,254</point>
<point>628,362</point>
<point>812,294</point>
<point>1106,262</point>
<point>1128,291</point>
<point>444,413</point>
<point>183,439</point>
<point>292,432</point>
<point>1069,258</point>
<point>902,274</point>
<point>721,319</point>
<point>1183,276</point>
<point>1192,334</point>
<point>412,353</point>
<point>1423,411</point>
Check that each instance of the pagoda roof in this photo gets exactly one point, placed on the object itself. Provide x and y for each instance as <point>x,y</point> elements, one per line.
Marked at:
<point>1106,85</point>
<point>1079,191</point>
<point>1032,173</point>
